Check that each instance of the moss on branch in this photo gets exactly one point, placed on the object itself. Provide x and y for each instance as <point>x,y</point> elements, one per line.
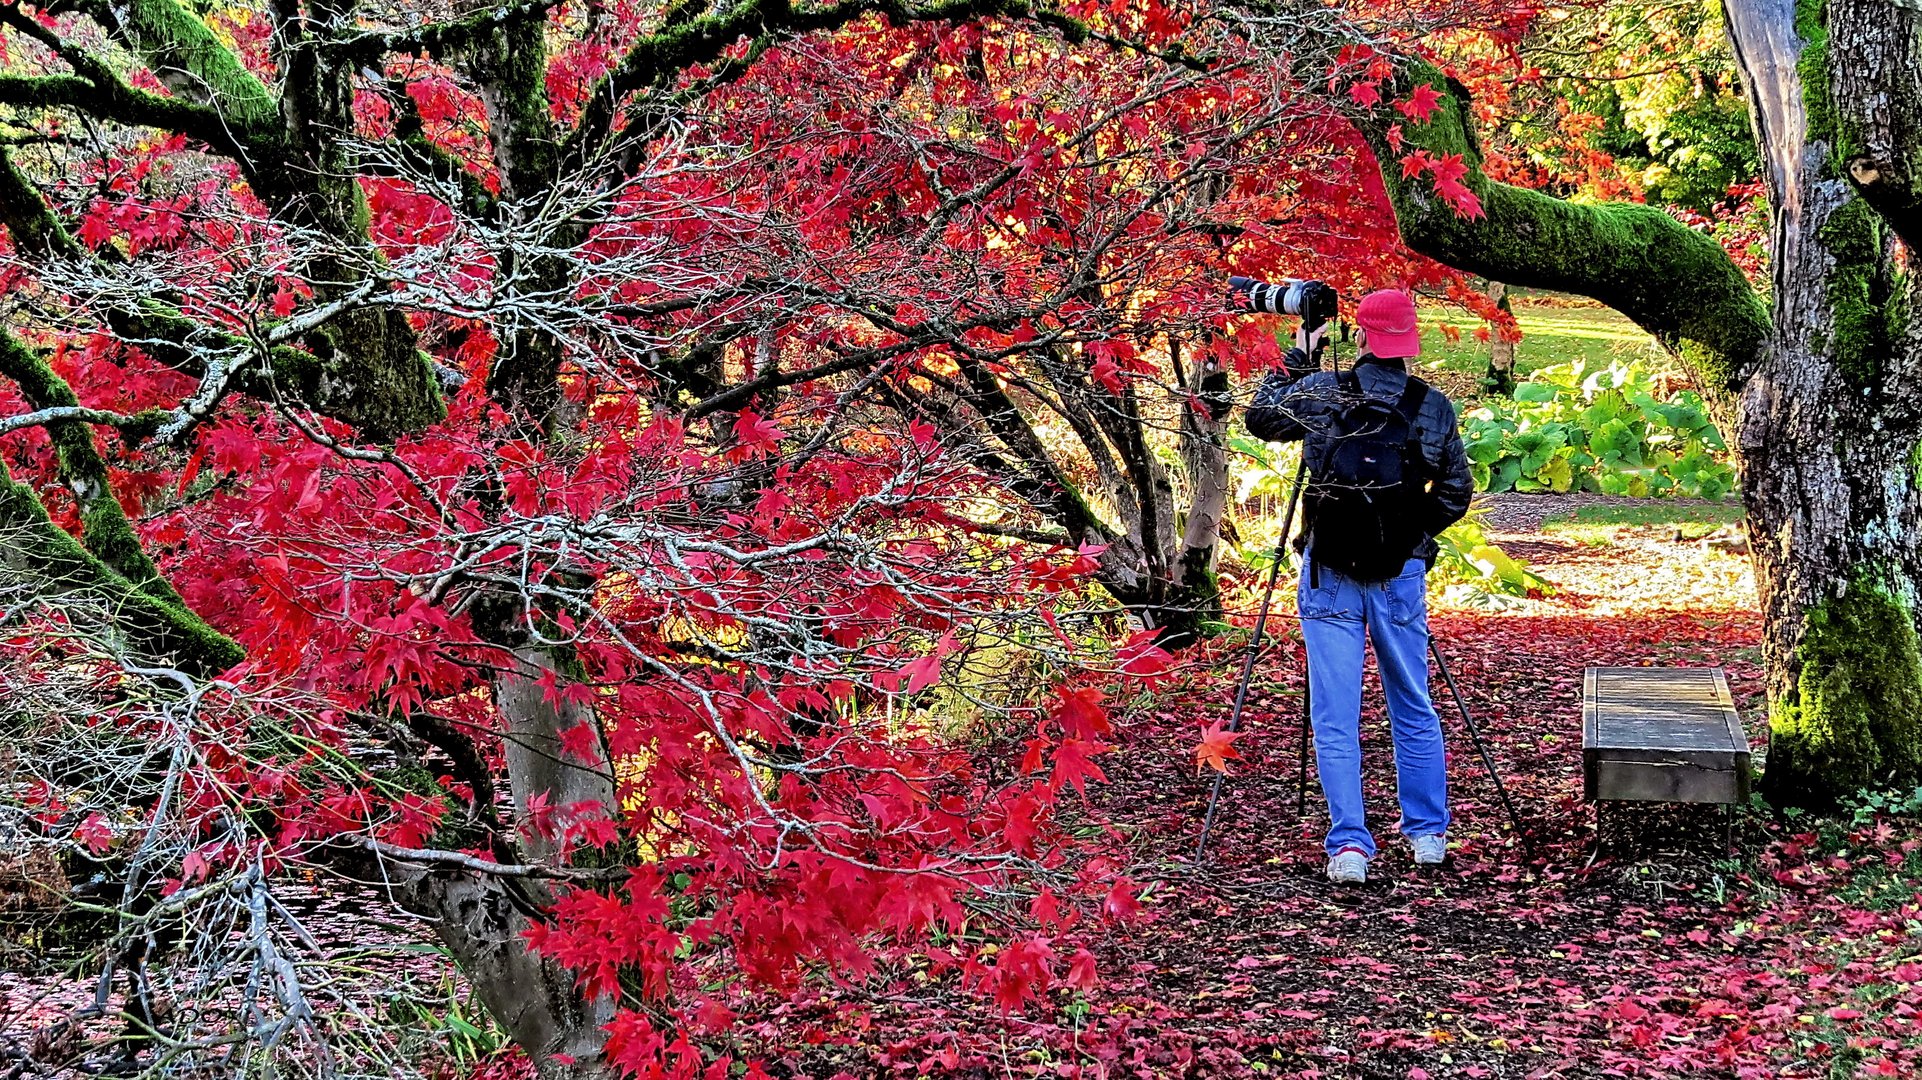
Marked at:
<point>168,629</point>
<point>1674,282</point>
<point>186,56</point>
<point>105,530</point>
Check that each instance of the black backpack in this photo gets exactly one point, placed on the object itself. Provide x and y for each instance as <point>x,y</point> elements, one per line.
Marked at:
<point>1369,484</point>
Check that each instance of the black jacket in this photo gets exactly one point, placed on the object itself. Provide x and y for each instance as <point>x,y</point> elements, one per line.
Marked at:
<point>1289,407</point>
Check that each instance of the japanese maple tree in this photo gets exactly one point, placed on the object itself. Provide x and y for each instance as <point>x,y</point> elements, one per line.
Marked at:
<point>548,460</point>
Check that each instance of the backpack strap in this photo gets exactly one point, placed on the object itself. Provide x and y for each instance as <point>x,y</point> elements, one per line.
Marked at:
<point>1412,397</point>
<point>1409,408</point>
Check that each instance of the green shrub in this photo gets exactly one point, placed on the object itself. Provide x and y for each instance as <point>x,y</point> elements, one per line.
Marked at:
<point>1468,558</point>
<point>1597,427</point>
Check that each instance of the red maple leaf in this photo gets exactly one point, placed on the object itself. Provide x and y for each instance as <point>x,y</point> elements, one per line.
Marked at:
<point>1366,94</point>
<point>1216,748</point>
<point>1447,169</point>
<point>1421,103</point>
<point>1458,196</point>
<point>1074,764</point>
<point>1081,715</point>
<point>756,433</point>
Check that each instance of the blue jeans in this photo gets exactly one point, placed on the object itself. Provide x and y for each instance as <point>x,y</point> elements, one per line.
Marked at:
<point>1334,614</point>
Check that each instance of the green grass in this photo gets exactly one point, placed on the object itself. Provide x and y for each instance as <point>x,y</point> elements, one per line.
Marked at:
<point>1550,335</point>
<point>1598,526</point>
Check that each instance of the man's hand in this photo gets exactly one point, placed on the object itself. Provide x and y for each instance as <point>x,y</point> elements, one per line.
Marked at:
<point>1238,295</point>
<point>1310,344</point>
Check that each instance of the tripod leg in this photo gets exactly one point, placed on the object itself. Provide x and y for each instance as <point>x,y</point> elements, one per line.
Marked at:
<point>1254,650</point>
<point>1307,737</point>
<point>1481,748</point>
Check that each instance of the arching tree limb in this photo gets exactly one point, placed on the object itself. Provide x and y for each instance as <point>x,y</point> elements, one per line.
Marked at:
<point>156,626</point>
<point>1676,283</point>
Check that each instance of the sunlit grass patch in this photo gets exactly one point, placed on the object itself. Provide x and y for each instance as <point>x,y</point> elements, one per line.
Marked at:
<point>1550,335</point>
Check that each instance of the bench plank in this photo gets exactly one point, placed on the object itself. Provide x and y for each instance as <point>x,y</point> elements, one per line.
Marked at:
<point>1662,734</point>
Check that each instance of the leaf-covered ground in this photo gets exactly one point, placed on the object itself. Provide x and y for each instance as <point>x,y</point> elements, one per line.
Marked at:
<point>1796,957</point>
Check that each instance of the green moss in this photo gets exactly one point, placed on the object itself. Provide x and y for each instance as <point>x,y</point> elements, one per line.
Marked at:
<point>105,530</point>
<point>180,48</point>
<point>1855,236</point>
<point>1194,606</point>
<point>1855,715</point>
<point>160,627</point>
<point>1674,282</point>
<point>1811,25</point>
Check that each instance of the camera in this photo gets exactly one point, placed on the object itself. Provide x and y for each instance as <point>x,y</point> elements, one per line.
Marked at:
<point>1314,302</point>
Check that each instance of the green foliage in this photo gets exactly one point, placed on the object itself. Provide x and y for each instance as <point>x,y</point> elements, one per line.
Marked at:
<point>1682,130</point>
<point>451,1025</point>
<point>1468,558</point>
<point>1583,427</point>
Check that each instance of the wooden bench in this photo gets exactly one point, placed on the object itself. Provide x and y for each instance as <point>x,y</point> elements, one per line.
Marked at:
<point>1662,735</point>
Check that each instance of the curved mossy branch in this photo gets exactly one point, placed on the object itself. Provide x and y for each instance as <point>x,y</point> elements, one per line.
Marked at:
<point>34,545</point>
<point>104,526</point>
<point>1674,282</point>
<point>100,91</point>
<point>188,59</point>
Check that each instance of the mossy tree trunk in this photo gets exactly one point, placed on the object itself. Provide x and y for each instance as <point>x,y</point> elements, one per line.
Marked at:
<point>1820,385</point>
<point>1829,418</point>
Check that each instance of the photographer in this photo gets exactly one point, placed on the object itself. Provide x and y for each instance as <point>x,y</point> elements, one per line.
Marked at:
<point>1386,474</point>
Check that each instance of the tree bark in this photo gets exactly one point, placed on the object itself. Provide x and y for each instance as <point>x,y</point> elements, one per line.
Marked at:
<point>1196,593</point>
<point>1501,351</point>
<point>482,921</point>
<point>1828,431</point>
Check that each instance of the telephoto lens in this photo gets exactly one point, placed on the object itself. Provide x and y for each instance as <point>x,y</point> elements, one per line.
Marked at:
<point>1315,302</point>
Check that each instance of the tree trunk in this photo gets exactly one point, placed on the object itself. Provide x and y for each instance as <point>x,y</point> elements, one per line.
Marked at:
<point>481,920</point>
<point>1828,431</point>
<point>1501,351</point>
<point>1195,596</point>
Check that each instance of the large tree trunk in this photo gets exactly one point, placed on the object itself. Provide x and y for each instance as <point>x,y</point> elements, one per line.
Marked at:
<point>1828,434</point>
<point>482,919</point>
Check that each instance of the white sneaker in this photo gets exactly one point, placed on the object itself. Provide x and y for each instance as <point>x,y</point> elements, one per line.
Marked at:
<point>1429,850</point>
<point>1348,867</point>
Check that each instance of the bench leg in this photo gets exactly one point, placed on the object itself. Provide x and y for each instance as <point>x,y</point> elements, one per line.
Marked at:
<point>1600,836</point>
